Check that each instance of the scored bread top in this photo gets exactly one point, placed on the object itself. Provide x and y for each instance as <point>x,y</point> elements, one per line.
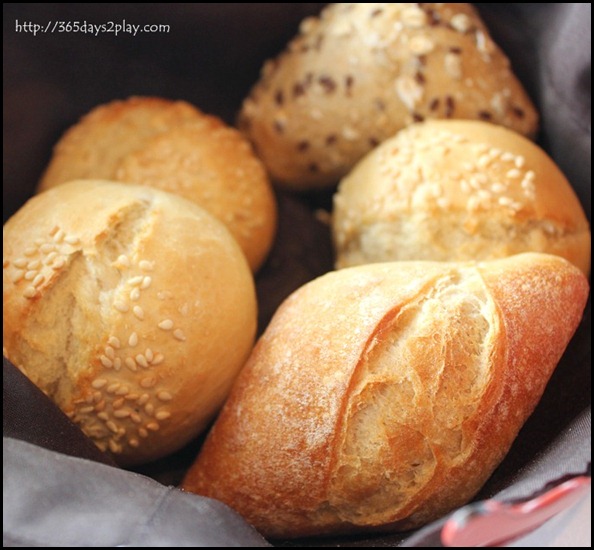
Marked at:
<point>385,395</point>
<point>457,190</point>
<point>119,303</point>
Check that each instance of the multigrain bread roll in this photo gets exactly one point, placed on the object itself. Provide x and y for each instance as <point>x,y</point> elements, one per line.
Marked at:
<point>171,145</point>
<point>457,190</point>
<point>120,303</point>
<point>360,72</point>
<point>382,396</point>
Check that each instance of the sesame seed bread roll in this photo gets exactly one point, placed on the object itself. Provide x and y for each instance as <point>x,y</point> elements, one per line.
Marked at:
<point>120,303</point>
<point>171,145</point>
<point>360,72</point>
<point>383,396</point>
<point>457,190</point>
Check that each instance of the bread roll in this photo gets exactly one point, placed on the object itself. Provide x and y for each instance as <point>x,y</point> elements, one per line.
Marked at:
<point>457,190</point>
<point>120,303</point>
<point>360,72</point>
<point>383,396</point>
<point>171,145</point>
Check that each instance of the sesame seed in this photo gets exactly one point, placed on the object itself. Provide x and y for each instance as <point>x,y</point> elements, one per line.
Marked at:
<point>106,362</point>
<point>17,276</point>
<point>133,442</point>
<point>114,447</point>
<point>118,403</point>
<point>54,230</point>
<point>51,257</point>
<point>72,240</point>
<point>167,324</point>
<point>46,248</point>
<point>113,387</point>
<point>34,264</point>
<point>101,445</point>
<point>117,363</point>
<point>111,426</point>
<point>122,413</point>
<point>145,265</point>
<point>123,390</point>
<point>505,201</point>
<point>530,176</point>
<point>109,352</point>
<point>142,432</point>
<point>149,409</point>
<point>98,383</point>
<point>85,410</point>
<point>59,236</point>
<point>135,417</point>
<point>460,22</point>
<point>135,281</point>
<point>114,342</point>
<point>141,360</point>
<point>520,162</point>
<point>123,261</point>
<point>100,406</point>
<point>514,173</point>
<point>162,415</point>
<point>97,395</point>
<point>133,340</point>
<point>135,294</point>
<point>30,275</point>
<point>164,396</point>
<point>122,307</point>
<point>146,282</point>
<point>21,263</point>
<point>132,397</point>
<point>29,292</point>
<point>508,157</point>
<point>131,364</point>
<point>149,355</point>
<point>152,426</point>
<point>30,251</point>
<point>59,263</point>
<point>148,382</point>
<point>103,416</point>
<point>138,312</point>
<point>178,334</point>
<point>143,398</point>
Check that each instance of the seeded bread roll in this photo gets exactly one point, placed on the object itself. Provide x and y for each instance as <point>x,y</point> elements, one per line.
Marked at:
<point>457,190</point>
<point>171,145</point>
<point>360,72</point>
<point>383,396</point>
<point>120,302</point>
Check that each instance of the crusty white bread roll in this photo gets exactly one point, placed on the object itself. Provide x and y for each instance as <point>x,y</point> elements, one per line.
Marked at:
<point>131,308</point>
<point>362,71</point>
<point>382,396</point>
<point>171,145</point>
<point>457,190</point>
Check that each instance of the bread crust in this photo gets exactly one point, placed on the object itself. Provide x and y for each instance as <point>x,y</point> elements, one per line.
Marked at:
<point>457,191</point>
<point>173,146</point>
<point>360,72</point>
<point>382,396</point>
<point>119,303</point>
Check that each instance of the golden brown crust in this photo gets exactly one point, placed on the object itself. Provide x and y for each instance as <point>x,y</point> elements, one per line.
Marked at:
<point>382,396</point>
<point>173,146</point>
<point>119,303</point>
<point>360,72</point>
<point>457,190</point>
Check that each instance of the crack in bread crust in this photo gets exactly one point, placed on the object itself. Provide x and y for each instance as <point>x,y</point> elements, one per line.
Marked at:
<point>390,450</point>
